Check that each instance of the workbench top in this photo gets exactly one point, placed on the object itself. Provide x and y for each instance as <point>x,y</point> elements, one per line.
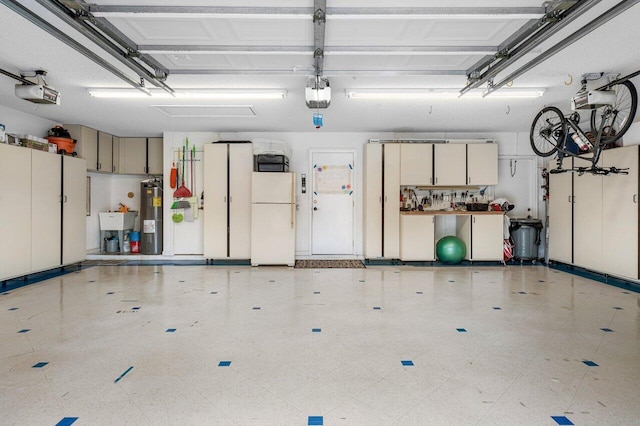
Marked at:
<point>446,212</point>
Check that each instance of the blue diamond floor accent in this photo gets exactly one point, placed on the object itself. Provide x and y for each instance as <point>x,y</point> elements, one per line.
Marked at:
<point>40,365</point>
<point>461,330</point>
<point>407,363</point>
<point>171,330</point>
<point>590,363</point>
<point>224,363</point>
<point>24,330</point>
<point>608,330</point>
<point>67,421</point>
<point>377,308</point>
<point>316,330</point>
<point>562,420</point>
<point>315,421</point>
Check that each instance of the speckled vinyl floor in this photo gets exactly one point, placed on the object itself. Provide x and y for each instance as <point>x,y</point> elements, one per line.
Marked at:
<point>213,345</point>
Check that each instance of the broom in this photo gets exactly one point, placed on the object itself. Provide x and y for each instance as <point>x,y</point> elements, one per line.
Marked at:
<point>182,191</point>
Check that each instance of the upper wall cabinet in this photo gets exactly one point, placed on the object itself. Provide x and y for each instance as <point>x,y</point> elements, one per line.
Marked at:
<point>105,152</point>
<point>450,164</point>
<point>133,156</point>
<point>87,144</point>
<point>154,156</point>
<point>482,164</point>
<point>416,164</point>
<point>141,156</point>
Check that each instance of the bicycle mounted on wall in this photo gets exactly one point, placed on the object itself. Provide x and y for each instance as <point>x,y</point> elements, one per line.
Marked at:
<point>613,108</point>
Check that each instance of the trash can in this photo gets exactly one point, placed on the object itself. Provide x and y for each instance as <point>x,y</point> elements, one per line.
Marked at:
<point>112,246</point>
<point>525,234</point>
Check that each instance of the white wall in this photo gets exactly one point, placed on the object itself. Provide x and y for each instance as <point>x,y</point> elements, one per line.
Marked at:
<point>19,122</point>
<point>186,238</point>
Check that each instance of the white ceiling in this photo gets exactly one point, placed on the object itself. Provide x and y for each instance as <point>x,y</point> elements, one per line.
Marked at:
<point>611,48</point>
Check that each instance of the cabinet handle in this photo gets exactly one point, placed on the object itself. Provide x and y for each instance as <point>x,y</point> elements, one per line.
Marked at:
<point>385,198</point>
<point>380,198</point>
<point>225,198</point>
<point>436,180</point>
<point>431,180</point>
<point>635,198</point>
<point>473,218</point>
<point>468,180</point>
<point>569,199</point>
<point>99,166</point>
<point>59,198</point>
<point>65,199</point>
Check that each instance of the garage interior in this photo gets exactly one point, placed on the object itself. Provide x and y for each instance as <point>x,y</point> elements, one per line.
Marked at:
<point>395,126</point>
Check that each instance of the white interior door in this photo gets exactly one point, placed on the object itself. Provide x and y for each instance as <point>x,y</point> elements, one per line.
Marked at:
<point>332,202</point>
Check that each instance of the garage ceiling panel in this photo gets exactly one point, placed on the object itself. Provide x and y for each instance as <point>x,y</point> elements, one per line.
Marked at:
<point>221,31</point>
<point>229,62</point>
<point>400,63</point>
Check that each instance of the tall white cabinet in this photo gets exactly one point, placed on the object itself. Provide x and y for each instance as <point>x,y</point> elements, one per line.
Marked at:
<point>373,200</point>
<point>227,210</point>
<point>593,219</point>
<point>44,227</point>
<point>15,216</point>
<point>391,201</point>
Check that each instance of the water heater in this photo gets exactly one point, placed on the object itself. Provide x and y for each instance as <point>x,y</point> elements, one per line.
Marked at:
<point>151,216</point>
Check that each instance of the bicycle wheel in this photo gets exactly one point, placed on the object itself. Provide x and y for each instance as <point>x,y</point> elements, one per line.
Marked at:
<point>547,131</point>
<point>618,116</point>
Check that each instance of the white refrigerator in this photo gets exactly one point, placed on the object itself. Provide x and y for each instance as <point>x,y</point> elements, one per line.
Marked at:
<point>273,213</point>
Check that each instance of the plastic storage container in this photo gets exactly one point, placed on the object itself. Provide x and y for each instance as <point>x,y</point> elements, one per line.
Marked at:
<point>525,234</point>
<point>112,246</point>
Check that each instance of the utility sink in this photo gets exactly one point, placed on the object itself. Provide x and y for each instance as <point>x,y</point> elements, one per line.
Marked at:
<point>115,221</point>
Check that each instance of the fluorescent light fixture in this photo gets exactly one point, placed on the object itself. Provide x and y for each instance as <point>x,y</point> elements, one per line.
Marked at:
<point>190,93</point>
<point>440,93</point>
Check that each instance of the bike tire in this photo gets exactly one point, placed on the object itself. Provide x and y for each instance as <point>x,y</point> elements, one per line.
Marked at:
<point>548,131</point>
<point>626,107</point>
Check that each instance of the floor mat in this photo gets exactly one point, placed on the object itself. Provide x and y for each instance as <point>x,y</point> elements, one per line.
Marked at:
<point>318,264</point>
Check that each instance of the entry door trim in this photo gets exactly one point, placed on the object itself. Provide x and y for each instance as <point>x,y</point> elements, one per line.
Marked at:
<point>354,183</point>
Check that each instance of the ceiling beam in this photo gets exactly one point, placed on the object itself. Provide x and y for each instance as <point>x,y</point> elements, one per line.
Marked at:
<point>577,35</point>
<point>75,21</point>
<point>69,41</point>
<point>311,72</point>
<point>319,27</point>
<point>332,12</point>
<point>556,19</point>
<point>166,49</point>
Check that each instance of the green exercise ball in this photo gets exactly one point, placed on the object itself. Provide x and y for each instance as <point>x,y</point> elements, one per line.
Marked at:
<point>450,249</point>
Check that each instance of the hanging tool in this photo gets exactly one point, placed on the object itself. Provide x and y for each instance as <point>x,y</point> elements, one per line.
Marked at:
<point>173,177</point>
<point>183,191</point>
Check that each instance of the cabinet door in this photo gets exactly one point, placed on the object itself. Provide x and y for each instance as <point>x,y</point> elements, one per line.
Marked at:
<point>87,144</point>
<point>105,152</point>
<point>482,164</point>
<point>587,221</point>
<point>154,156</point>
<point>391,211</point>
<point>46,210</point>
<point>116,154</point>
<point>373,200</point>
<point>15,216</point>
<point>417,234</point>
<point>74,207</point>
<point>450,164</point>
<point>240,171</point>
<point>416,164</point>
<point>561,217</point>
<point>215,201</point>
<point>487,237</point>
<point>620,213</point>
<point>133,156</point>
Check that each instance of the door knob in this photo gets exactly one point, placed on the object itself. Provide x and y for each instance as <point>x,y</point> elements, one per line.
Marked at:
<point>315,208</point>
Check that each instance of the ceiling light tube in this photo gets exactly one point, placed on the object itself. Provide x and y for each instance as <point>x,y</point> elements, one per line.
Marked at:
<point>190,93</point>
